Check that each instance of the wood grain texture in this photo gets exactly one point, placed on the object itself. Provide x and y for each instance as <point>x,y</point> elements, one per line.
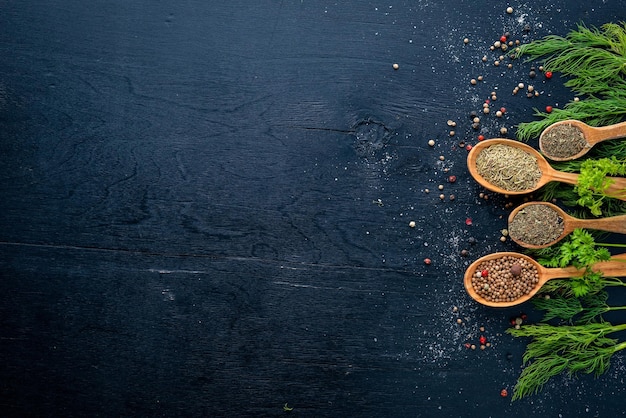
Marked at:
<point>205,211</point>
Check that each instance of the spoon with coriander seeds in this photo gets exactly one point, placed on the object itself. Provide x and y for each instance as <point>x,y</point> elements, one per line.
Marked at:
<point>571,139</point>
<point>506,279</point>
<point>510,167</point>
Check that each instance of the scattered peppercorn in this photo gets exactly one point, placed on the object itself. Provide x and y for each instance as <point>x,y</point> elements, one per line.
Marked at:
<point>427,261</point>
<point>516,269</point>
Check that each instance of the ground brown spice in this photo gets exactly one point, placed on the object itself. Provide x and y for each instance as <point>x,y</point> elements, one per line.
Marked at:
<point>563,141</point>
<point>536,225</point>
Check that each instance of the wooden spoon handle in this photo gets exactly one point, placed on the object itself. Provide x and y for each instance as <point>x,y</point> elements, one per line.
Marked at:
<point>563,177</point>
<point>616,224</point>
<point>615,267</point>
<point>604,133</point>
<point>617,189</point>
<point>559,273</point>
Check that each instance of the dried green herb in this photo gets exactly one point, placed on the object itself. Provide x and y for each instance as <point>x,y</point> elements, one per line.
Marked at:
<point>507,167</point>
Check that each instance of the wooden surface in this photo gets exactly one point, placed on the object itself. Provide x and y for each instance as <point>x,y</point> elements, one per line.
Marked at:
<point>205,209</point>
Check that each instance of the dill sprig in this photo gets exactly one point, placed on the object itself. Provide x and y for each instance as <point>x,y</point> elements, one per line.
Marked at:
<point>594,111</point>
<point>583,310</point>
<point>595,59</point>
<point>557,349</point>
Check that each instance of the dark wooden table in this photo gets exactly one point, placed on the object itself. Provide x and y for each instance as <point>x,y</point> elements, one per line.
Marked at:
<point>205,209</point>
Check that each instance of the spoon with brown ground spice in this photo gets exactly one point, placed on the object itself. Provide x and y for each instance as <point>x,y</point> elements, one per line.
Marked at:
<point>541,224</point>
<point>571,139</point>
<point>519,169</point>
<point>506,279</point>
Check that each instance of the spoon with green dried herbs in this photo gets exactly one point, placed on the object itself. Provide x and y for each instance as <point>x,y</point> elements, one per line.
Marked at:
<point>541,224</point>
<point>571,139</point>
<point>510,167</point>
<point>506,279</point>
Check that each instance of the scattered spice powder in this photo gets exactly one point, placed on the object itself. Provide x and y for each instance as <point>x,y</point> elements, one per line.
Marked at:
<point>536,225</point>
<point>563,141</point>
<point>508,167</point>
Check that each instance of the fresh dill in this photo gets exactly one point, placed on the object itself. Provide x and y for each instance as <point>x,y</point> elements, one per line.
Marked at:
<point>594,62</point>
<point>570,349</point>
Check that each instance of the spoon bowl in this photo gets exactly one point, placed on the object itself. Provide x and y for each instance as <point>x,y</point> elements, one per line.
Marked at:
<point>616,189</point>
<point>616,224</point>
<point>616,267</point>
<point>591,134</point>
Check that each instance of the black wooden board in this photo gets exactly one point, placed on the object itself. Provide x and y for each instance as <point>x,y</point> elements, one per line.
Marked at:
<point>205,209</point>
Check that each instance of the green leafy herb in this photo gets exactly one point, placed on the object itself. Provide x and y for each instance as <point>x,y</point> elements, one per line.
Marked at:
<point>593,181</point>
<point>594,61</point>
<point>579,250</point>
<point>595,111</point>
<point>583,310</point>
<point>571,349</point>
<point>569,197</point>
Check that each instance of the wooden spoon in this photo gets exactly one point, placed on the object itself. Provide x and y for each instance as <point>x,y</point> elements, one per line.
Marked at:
<point>615,224</point>
<point>616,267</point>
<point>592,135</point>
<point>616,189</point>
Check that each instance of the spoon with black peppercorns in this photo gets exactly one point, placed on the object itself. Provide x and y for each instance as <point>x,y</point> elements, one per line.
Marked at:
<point>506,279</point>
